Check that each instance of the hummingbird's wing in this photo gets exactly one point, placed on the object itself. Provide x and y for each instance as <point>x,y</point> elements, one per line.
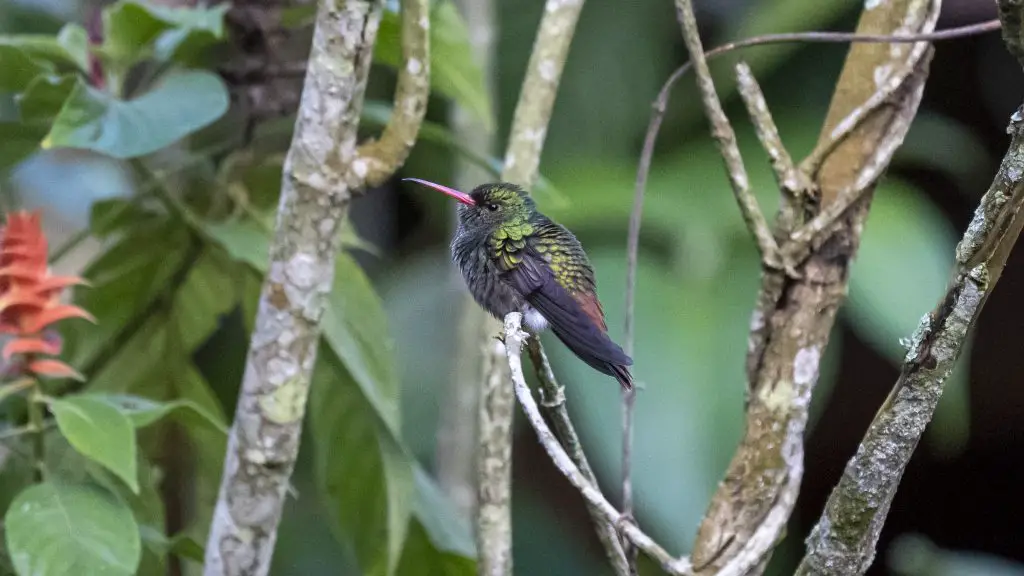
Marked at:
<point>575,315</point>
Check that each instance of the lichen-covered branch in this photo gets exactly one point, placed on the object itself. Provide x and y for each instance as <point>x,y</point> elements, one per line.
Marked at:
<point>378,159</point>
<point>845,537</point>
<point>794,313</point>
<point>321,173</point>
<point>724,135</point>
<point>553,401</point>
<point>514,338</point>
<point>522,159</point>
<point>455,455</point>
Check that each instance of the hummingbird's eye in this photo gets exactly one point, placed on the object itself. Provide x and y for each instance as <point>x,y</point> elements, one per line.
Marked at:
<point>492,207</point>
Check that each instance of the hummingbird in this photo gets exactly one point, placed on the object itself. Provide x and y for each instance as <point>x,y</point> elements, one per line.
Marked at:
<point>515,259</point>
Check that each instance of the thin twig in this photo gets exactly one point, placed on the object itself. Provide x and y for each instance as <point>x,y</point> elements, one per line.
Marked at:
<point>514,339</point>
<point>553,401</point>
<point>724,136</point>
<point>522,158</point>
<point>455,453</point>
<point>378,159</point>
<point>845,537</point>
<point>322,170</point>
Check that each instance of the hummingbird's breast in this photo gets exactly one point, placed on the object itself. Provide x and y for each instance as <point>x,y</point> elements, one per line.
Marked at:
<point>482,276</point>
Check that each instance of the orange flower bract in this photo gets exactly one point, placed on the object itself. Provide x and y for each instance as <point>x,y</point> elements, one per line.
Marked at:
<point>30,297</point>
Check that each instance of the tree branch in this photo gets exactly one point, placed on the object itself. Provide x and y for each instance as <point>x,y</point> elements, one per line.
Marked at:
<point>724,136</point>
<point>522,158</point>
<point>795,312</point>
<point>455,455</point>
<point>845,537</point>
<point>321,173</point>
<point>553,401</point>
<point>514,338</point>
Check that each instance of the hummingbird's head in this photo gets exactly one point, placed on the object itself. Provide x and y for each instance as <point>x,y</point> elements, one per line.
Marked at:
<point>489,206</point>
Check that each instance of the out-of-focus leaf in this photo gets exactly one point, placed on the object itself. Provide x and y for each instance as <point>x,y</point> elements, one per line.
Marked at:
<point>18,69</point>
<point>45,96</point>
<point>58,530</point>
<point>378,113</point>
<point>142,411</point>
<point>447,532</point>
<point>915,555</point>
<point>147,507</point>
<point>101,432</point>
<point>124,280</point>
<point>182,103</point>
<point>453,70</point>
<point>18,141</point>
<point>420,557</point>
<point>946,145</point>
<point>365,479</point>
<point>69,47</point>
<point>182,545</point>
<point>135,31</point>
<point>901,271</point>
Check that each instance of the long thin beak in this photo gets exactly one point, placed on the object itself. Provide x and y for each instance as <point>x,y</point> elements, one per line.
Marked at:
<point>460,196</point>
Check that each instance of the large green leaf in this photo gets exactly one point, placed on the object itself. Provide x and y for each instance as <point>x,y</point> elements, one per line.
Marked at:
<point>17,69</point>
<point>57,530</point>
<point>136,30</point>
<point>98,430</point>
<point>365,478</point>
<point>143,412</point>
<point>453,70</point>
<point>903,267</point>
<point>45,96</point>
<point>69,47</point>
<point>182,103</point>
<point>18,141</point>
<point>420,557</point>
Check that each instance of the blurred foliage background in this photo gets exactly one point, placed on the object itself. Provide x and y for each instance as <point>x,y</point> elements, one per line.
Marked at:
<point>957,511</point>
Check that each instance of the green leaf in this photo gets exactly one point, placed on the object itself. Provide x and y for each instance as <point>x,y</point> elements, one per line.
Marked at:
<point>448,533</point>
<point>143,411</point>
<point>182,545</point>
<point>916,555</point>
<point>453,70</point>
<point>45,96</point>
<point>901,271</point>
<point>182,103</point>
<point>420,557</point>
<point>55,530</point>
<point>245,240</point>
<point>98,430</point>
<point>364,477</point>
<point>17,69</point>
<point>69,47</point>
<point>136,31</point>
<point>18,141</point>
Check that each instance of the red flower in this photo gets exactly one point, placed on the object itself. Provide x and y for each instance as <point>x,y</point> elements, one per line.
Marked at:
<point>30,297</point>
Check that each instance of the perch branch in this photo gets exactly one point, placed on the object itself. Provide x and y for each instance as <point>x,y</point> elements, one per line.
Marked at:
<point>553,401</point>
<point>794,314</point>
<point>514,337</point>
<point>321,173</point>
<point>845,537</point>
<point>522,159</point>
<point>724,136</point>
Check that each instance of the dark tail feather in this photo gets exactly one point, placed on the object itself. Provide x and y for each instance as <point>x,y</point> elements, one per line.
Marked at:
<point>623,375</point>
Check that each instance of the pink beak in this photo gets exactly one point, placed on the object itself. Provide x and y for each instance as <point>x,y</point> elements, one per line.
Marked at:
<point>460,196</point>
